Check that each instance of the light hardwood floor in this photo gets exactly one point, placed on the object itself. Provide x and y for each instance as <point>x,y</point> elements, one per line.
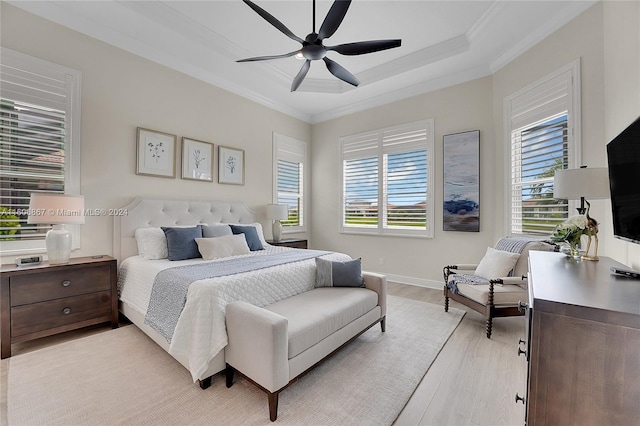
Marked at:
<point>473,380</point>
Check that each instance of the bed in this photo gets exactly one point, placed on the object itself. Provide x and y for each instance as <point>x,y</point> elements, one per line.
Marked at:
<point>199,337</point>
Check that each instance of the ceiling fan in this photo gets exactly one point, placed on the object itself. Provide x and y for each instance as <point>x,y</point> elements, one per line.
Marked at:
<point>314,49</point>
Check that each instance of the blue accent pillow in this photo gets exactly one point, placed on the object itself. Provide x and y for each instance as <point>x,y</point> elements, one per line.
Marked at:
<point>250,234</point>
<point>338,274</point>
<point>181,242</point>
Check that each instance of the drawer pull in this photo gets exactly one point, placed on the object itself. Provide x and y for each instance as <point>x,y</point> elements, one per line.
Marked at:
<point>66,283</point>
<point>520,352</point>
<point>66,311</point>
<point>519,399</point>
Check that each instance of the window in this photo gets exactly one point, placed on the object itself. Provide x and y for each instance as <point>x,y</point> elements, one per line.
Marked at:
<point>543,130</point>
<point>387,181</point>
<point>39,131</point>
<point>289,158</point>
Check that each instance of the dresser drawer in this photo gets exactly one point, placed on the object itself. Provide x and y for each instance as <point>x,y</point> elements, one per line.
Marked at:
<point>33,288</point>
<point>36,317</point>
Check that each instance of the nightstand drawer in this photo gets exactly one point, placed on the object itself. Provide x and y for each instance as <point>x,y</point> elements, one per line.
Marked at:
<point>36,317</point>
<point>33,288</point>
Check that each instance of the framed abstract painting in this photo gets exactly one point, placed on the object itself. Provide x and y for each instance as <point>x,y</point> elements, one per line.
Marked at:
<point>462,182</point>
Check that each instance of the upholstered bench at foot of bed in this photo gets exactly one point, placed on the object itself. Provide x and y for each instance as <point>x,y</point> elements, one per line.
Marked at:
<point>273,345</point>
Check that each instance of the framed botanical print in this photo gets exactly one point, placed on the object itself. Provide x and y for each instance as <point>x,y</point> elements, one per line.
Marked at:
<point>230,165</point>
<point>197,160</point>
<point>156,153</point>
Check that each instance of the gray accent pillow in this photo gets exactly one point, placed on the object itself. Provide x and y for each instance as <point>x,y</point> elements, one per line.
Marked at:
<point>251,234</point>
<point>214,231</point>
<point>338,274</point>
<point>181,242</point>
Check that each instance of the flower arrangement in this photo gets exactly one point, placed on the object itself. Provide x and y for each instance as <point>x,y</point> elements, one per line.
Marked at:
<point>570,232</point>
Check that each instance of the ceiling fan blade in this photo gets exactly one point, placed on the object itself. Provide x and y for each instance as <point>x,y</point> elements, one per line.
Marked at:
<point>333,19</point>
<point>301,75</point>
<point>266,58</point>
<point>340,72</point>
<point>273,21</point>
<point>362,47</point>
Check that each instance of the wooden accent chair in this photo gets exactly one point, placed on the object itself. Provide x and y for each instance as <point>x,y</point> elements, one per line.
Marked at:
<point>493,296</point>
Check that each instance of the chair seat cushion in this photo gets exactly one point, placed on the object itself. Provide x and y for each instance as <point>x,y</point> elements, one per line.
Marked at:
<point>502,294</point>
<point>316,314</point>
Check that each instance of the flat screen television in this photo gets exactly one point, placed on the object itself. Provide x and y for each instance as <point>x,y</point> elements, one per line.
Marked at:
<point>623,156</point>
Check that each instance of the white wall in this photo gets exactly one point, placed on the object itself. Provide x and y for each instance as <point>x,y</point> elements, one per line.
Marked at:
<point>581,38</point>
<point>622,95</point>
<point>455,109</point>
<point>120,92</point>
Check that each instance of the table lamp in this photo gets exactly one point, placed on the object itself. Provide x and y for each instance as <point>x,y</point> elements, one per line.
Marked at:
<point>58,210</point>
<point>579,184</point>
<point>277,212</point>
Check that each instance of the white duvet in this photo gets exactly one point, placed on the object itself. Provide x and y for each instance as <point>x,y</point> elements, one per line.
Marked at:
<point>200,332</point>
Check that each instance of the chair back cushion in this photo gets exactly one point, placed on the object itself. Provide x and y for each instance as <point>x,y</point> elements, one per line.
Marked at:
<point>522,265</point>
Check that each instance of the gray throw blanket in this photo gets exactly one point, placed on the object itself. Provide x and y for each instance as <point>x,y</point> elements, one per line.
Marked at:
<point>170,287</point>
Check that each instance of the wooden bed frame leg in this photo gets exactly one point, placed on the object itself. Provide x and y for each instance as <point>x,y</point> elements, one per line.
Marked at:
<point>383,324</point>
<point>205,383</point>
<point>273,405</point>
<point>229,373</point>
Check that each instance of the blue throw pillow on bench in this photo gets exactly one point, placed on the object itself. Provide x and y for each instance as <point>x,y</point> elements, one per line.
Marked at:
<point>338,274</point>
<point>250,234</point>
<point>181,242</point>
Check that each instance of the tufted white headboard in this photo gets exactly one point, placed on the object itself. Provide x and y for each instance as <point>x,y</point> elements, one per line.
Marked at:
<point>144,212</point>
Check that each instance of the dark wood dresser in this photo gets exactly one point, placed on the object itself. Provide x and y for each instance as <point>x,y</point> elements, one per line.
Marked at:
<point>583,344</point>
<point>42,300</point>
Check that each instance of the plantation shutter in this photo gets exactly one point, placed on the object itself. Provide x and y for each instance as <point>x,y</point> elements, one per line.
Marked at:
<point>35,139</point>
<point>405,166</point>
<point>538,151</point>
<point>360,181</point>
<point>542,120</point>
<point>290,155</point>
<point>385,180</point>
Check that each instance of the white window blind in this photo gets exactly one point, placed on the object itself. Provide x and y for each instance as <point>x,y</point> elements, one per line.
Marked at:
<point>543,127</point>
<point>289,180</point>
<point>37,134</point>
<point>387,181</point>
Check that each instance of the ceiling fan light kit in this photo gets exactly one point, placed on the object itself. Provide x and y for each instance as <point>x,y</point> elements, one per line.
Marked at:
<point>312,47</point>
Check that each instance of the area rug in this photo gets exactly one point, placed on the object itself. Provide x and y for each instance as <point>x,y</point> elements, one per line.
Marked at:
<point>122,377</point>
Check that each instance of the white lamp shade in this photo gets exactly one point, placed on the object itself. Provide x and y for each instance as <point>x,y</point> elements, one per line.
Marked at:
<point>585,182</point>
<point>277,211</point>
<point>56,209</point>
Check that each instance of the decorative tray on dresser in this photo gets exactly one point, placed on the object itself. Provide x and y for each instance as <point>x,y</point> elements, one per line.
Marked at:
<point>42,300</point>
<point>582,343</point>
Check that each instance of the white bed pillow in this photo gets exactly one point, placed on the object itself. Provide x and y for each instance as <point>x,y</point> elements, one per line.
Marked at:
<point>152,243</point>
<point>229,245</point>
<point>496,263</point>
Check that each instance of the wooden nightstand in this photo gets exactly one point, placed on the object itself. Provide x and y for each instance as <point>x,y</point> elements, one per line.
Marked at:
<point>41,300</point>
<point>291,242</point>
